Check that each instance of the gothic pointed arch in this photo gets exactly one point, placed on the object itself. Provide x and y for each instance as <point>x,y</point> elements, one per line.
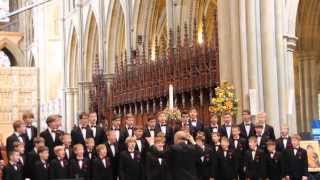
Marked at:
<point>73,60</point>
<point>13,51</point>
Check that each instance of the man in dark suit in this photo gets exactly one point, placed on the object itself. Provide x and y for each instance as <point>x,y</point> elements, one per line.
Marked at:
<point>59,166</point>
<point>127,130</point>
<point>31,131</point>
<point>246,127</point>
<point>262,139</point>
<point>255,161</point>
<point>163,127</point>
<point>130,162</point>
<point>52,134</point>
<point>157,165</point>
<point>183,157</point>
<point>296,161</point>
<point>19,135</point>
<point>267,129</point>
<point>13,171</point>
<point>227,124</point>
<point>284,141</point>
<point>195,124</point>
<point>97,131</point>
<point>40,168</point>
<point>102,166</point>
<point>81,132</point>
<point>213,127</point>
<point>275,162</point>
<point>149,131</point>
<point>113,152</point>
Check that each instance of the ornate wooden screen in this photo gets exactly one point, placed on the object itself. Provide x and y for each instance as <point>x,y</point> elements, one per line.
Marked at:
<point>140,84</point>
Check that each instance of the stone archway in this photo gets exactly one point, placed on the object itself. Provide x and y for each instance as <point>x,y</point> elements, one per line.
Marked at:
<point>307,63</point>
<point>9,41</point>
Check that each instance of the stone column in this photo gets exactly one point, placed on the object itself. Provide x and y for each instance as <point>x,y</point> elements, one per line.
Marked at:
<point>71,108</point>
<point>269,63</point>
<point>252,50</point>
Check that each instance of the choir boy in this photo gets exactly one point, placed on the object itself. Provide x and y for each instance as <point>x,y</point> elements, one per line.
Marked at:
<point>275,164</point>
<point>130,162</point>
<point>83,131</point>
<point>79,165</point>
<point>90,152</point>
<point>31,131</point>
<point>33,155</point>
<point>194,123</point>
<point>97,131</point>
<point>227,124</point>
<point>20,147</point>
<point>254,161</point>
<point>141,143</point>
<point>127,130</point>
<point>185,119</point>
<point>296,167</point>
<point>40,169</point>
<point>239,145</point>
<point>113,152</point>
<point>149,131</point>
<point>52,134</point>
<point>102,166</point>
<point>284,142</point>
<point>59,166</point>
<point>19,128</point>
<point>246,127</point>
<point>205,164</point>
<point>227,162</point>
<point>12,171</point>
<point>261,138</point>
<point>66,140</point>
<point>215,137</point>
<point>267,130</point>
<point>163,127</point>
<point>213,127</point>
<point>157,167</point>
<point>115,126</point>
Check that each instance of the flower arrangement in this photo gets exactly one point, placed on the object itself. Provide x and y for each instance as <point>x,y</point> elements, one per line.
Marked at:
<point>172,114</point>
<point>225,100</point>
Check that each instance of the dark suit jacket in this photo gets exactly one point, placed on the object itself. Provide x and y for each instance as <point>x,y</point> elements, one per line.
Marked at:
<point>296,166</point>
<point>100,135</point>
<point>34,133</point>
<point>144,149</point>
<point>227,167</point>
<point>32,157</point>
<point>122,138</point>
<point>12,139</point>
<point>224,131</point>
<point>280,145</point>
<point>114,159</point>
<point>130,169</point>
<point>77,172</point>
<point>208,132</point>
<point>93,155</point>
<point>155,170</point>
<point>40,171</point>
<point>169,133</point>
<point>243,132</point>
<point>194,129</point>
<point>99,171</point>
<point>206,164</point>
<point>255,168</point>
<point>269,131</point>
<point>146,132</point>
<point>275,166</point>
<point>50,143</point>
<point>76,135</point>
<point>183,158</point>
<point>56,171</point>
<point>9,173</point>
<point>263,142</point>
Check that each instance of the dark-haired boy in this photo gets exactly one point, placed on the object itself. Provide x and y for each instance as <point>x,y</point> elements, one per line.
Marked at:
<point>40,169</point>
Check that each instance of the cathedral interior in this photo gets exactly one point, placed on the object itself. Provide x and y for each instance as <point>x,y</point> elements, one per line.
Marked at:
<point>119,56</point>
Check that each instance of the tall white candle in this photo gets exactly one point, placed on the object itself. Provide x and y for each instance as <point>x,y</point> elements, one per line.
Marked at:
<point>170,96</point>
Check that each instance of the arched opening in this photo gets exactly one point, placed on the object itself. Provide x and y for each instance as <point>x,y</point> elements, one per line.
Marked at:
<point>307,63</point>
<point>116,39</point>
<point>6,58</point>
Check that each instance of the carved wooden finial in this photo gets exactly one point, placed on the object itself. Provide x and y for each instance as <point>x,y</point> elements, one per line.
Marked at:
<point>195,34</point>
<point>186,37</point>
<point>125,61</point>
<point>116,64</point>
<point>149,51</point>
<point>163,47</point>
<point>157,49</point>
